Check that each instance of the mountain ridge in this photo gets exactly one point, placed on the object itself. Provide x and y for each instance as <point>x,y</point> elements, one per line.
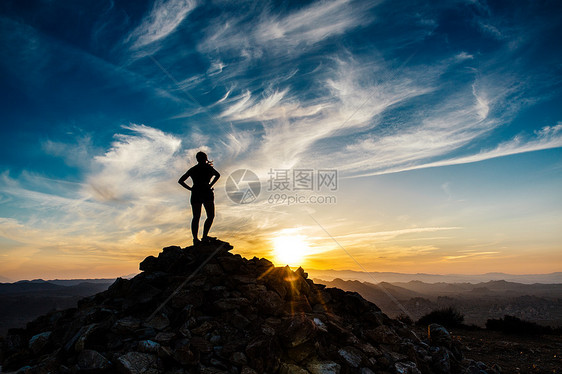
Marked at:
<point>393,277</point>
<point>203,309</point>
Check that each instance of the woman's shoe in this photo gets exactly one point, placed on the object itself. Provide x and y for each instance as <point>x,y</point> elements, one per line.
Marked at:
<point>208,239</point>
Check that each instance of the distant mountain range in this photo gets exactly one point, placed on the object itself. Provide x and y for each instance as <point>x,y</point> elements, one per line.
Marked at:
<point>376,277</point>
<point>22,301</point>
<point>372,277</point>
<point>5,280</point>
<point>541,303</point>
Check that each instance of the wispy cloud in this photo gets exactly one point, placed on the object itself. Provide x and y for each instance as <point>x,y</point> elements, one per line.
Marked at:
<point>353,95</point>
<point>546,138</point>
<point>130,199</point>
<point>387,235</point>
<point>284,33</point>
<point>134,164</point>
<point>360,86</point>
<point>164,18</point>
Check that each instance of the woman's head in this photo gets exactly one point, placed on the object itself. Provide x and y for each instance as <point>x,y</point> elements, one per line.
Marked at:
<point>201,157</point>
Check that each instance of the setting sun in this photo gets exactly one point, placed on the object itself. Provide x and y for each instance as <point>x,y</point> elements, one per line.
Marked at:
<point>290,249</point>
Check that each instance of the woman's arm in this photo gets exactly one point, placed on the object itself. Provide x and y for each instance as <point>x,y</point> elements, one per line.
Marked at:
<point>216,176</point>
<point>182,180</point>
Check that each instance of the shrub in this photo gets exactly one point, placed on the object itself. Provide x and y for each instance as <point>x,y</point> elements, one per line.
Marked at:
<point>448,317</point>
<point>514,325</point>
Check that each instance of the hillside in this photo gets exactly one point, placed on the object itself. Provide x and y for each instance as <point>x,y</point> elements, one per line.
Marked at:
<point>204,310</point>
<point>24,301</point>
<point>540,303</point>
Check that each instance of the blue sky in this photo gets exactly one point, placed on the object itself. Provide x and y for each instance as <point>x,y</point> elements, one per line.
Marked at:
<point>443,120</point>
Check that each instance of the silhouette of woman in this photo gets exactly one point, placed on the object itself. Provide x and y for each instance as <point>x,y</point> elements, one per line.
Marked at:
<point>201,194</point>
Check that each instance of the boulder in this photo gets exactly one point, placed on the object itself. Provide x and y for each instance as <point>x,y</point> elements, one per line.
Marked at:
<point>39,341</point>
<point>92,361</point>
<point>292,369</point>
<point>352,356</point>
<point>382,335</point>
<point>297,330</point>
<point>438,335</point>
<point>323,367</point>
<point>137,363</point>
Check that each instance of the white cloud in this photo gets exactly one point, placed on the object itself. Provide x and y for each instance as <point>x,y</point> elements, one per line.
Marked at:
<point>77,154</point>
<point>441,130</point>
<point>135,165</point>
<point>483,107</point>
<point>462,56</point>
<point>546,138</point>
<point>129,205</point>
<point>354,95</point>
<point>163,19</point>
<point>272,106</point>
<point>215,68</point>
<point>388,235</point>
<point>304,27</point>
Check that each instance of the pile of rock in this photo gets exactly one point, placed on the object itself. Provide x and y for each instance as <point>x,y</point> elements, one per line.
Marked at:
<point>204,310</point>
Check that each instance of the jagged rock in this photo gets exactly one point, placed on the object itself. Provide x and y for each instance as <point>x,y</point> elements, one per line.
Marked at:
<point>383,334</point>
<point>300,271</point>
<point>126,325</point>
<point>158,322</point>
<point>406,367</point>
<point>148,346</point>
<point>323,367</point>
<point>78,341</point>
<point>439,335</point>
<point>137,363</point>
<point>37,342</point>
<point>297,330</point>
<point>91,361</point>
<point>184,355</point>
<point>233,315</point>
<point>351,355</point>
<point>238,358</point>
<point>270,302</point>
<point>292,369</point>
<point>248,370</point>
<point>302,351</point>
<point>149,264</point>
<point>231,303</point>
<point>264,354</point>
<point>441,360</point>
<point>15,340</point>
<point>164,337</point>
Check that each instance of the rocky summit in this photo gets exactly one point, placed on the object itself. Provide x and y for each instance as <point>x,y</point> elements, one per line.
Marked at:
<point>205,310</point>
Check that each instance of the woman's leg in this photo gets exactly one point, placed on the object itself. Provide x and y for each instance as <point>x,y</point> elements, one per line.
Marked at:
<point>210,210</point>
<point>196,209</point>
